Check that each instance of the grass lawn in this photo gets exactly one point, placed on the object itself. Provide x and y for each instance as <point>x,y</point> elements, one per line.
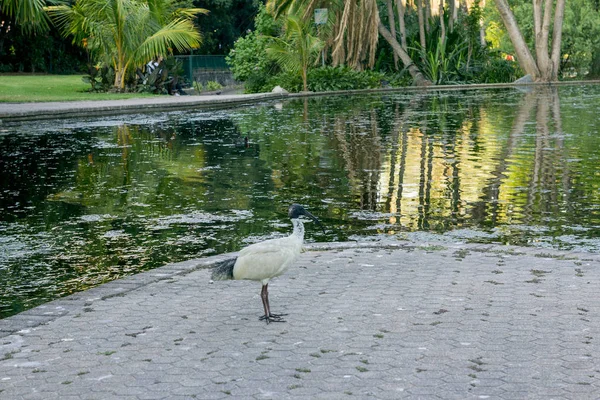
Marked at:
<point>30,88</point>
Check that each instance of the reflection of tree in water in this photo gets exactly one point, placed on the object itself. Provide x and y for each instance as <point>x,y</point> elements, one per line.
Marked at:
<point>543,180</point>
<point>359,143</point>
<point>103,194</point>
<point>488,208</point>
<point>158,164</point>
<point>390,148</point>
<point>440,162</point>
<point>33,166</point>
<point>543,189</point>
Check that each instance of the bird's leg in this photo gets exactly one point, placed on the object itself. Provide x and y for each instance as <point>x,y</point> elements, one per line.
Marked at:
<point>265,301</point>
<point>264,294</point>
<point>269,307</point>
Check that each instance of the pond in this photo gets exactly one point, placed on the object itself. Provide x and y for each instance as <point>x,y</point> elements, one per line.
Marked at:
<point>87,201</point>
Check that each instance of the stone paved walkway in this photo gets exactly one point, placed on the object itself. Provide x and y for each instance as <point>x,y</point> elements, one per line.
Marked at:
<point>408,321</point>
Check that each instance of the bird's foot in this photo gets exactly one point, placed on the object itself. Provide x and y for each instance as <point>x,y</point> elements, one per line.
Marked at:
<point>272,318</point>
<point>277,315</point>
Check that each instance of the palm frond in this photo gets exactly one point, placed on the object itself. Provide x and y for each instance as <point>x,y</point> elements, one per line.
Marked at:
<point>189,13</point>
<point>177,34</point>
<point>285,56</point>
<point>28,14</point>
<point>127,33</point>
<point>279,7</point>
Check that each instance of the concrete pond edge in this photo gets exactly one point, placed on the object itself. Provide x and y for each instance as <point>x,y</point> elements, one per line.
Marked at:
<point>11,113</point>
<point>81,302</point>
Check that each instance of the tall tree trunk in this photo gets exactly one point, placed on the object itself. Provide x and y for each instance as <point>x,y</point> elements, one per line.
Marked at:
<point>442,24</point>
<point>390,8</point>
<point>482,28</point>
<point>559,16</point>
<point>304,80</point>
<point>524,56</point>
<point>119,76</point>
<point>401,24</point>
<point>547,65</point>
<point>455,9</point>
<point>427,14</point>
<point>421,23</point>
<point>452,13</point>
<point>541,18</point>
<point>418,77</point>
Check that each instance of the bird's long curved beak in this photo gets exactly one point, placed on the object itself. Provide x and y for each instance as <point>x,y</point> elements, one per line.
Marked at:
<point>316,220</point>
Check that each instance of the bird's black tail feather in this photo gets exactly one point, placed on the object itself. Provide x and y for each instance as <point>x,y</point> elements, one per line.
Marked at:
<point>223,270</point>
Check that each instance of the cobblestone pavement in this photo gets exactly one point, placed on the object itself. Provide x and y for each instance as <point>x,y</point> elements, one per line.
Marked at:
<point>412,321</point>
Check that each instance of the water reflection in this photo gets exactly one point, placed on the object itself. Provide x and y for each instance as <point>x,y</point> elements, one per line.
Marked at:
<point>90,202</point>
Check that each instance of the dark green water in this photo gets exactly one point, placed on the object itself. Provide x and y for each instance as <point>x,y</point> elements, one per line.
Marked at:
<point>84,202</point>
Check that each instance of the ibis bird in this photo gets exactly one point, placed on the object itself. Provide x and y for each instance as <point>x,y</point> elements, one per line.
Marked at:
<point>264,261</point>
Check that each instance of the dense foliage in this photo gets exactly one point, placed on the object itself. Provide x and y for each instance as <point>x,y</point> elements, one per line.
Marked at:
<point>458,59</point>
<point>580,37</point>
<point>126,34</point>
<point>45,52</point>
<point>297,49</point>
<point>343,78</point>
<point>167,78</point>
<point>248,59</point>
<point>29,42</point>
<point>226,22</point>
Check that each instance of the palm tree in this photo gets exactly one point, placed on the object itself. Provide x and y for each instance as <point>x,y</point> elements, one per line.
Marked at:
<point>297,50</point>
<point>128,33</point>
<point>355,31</point>
<point>351,29</point>
<point>29,15</point>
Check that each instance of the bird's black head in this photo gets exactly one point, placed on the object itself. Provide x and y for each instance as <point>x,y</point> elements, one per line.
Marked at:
<point>296,211</point>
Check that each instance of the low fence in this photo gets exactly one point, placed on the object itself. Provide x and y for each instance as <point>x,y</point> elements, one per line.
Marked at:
<point>203,69</point>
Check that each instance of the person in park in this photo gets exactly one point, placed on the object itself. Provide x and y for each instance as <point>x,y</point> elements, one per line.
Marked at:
<point>153,64</point>
<point>174,87</point>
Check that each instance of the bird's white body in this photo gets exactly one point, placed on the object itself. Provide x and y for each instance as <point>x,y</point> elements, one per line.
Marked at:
<point>265,260</point>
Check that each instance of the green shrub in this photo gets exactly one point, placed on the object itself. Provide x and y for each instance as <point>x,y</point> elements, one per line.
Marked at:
<point>265,24</point>
<point>249,55</point>
<point>496,70</point>
<point>370,79</point>
<point>595,66</point>
<point>100,77</point>
<point>330,78</point>
<point>256,82</point>
<point>400,79</point>
<point>154,82</point>
<point>211,86</point>
<point>162,80</point>
<point>322,79</point>
<point>289,81</point>
<point>343,78</point>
